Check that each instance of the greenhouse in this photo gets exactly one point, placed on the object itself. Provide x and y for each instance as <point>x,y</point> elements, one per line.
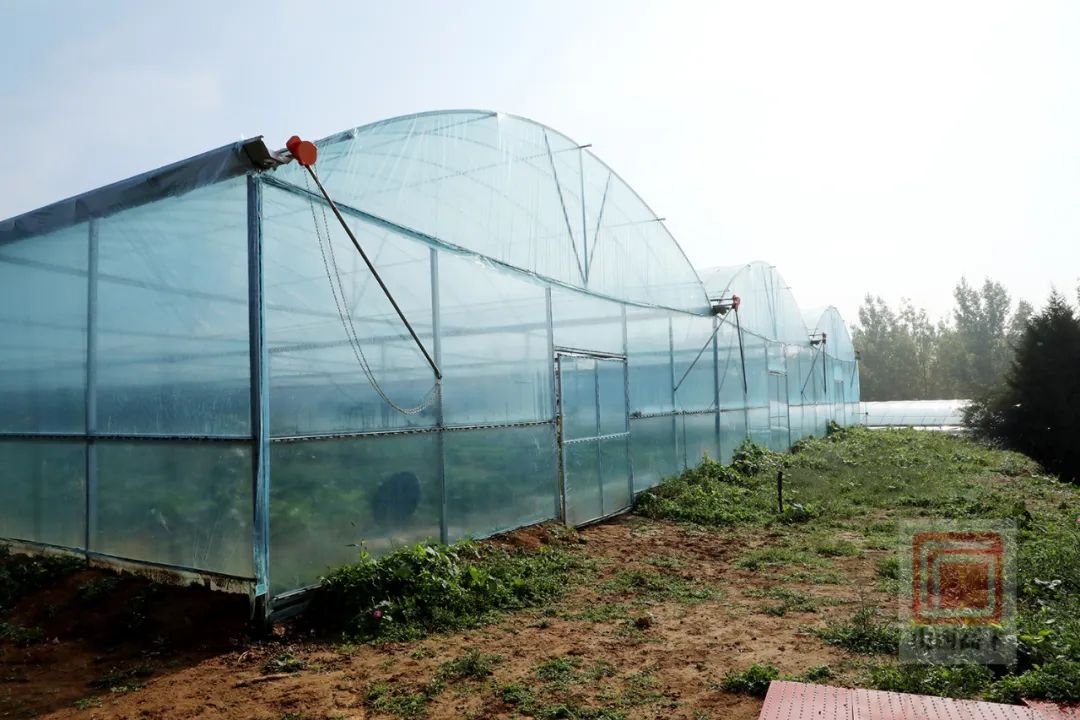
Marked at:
<point>200,373</point>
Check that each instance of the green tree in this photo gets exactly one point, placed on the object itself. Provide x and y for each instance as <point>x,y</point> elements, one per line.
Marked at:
<point>904,356</point>
<point>981,321</point>
<point>889,356</point>
<point>1035,409</point>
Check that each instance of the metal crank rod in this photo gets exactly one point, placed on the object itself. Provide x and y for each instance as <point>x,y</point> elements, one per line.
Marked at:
<point>305,153</point>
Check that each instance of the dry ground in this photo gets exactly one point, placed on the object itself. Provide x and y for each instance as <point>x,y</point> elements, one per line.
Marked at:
<point>665,613</point>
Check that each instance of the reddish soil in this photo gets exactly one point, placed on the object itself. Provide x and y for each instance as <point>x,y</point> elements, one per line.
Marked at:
<point>186,654</point>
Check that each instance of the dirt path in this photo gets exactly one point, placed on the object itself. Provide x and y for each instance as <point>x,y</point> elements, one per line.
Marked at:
<point>665,613</point>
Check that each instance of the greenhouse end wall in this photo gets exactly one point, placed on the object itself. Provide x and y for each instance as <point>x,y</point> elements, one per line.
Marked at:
<point>205,378</point>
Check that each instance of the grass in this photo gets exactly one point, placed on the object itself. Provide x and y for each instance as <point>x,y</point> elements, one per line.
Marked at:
<point>406,703</point>
<point>657,587</point>
<point>754,680</point>
<point>864,634</point>
<point>837,548</point>
<point>423,589</point>
<point>473,665</point>
<point>962,681</point>
<point>867,482</point>
<point>790,601</point>
<point>528,702</point>
<point>284,662</point>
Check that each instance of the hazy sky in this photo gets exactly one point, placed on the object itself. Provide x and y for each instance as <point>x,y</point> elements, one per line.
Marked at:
<point>860,147</point>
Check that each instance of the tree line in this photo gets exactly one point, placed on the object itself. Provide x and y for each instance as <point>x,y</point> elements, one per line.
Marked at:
<point>903,355</point>
<point>1019,368</point>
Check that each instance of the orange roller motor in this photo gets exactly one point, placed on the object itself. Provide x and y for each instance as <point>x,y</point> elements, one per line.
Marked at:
<point>303,151</point>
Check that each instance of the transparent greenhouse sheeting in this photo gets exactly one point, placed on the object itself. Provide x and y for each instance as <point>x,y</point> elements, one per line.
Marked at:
<point>828,320</point>
<point>768,306</point>
<point>127,422</point>
<point>916,413</point>
<point>516,192</point>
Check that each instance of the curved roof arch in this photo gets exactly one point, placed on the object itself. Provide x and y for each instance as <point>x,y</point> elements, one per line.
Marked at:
<point>768,307</point>
<point>514,191</point>
<point>838,342</point>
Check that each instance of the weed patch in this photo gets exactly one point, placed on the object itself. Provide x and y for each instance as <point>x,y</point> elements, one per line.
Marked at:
<point>1058,681</point>
<point>473,665</point>
<point>658,587</point>
<point>962,681</point>
<point>284,662</point>
<point>430,588</point>
<point>408,704</point>
<point>790,601</point>
<point>754,680</point>
<point>863,634</point>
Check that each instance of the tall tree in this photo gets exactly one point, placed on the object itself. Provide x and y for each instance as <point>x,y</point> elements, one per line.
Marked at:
<point>981,318</point>
<point>889,362</point>
<point>1035,410</point>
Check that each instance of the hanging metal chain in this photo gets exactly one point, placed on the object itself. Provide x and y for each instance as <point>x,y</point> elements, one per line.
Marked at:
<point>337,289</point>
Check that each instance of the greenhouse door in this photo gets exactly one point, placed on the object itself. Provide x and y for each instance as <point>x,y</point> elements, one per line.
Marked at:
<point>594,436</point>
<point>779,422</point>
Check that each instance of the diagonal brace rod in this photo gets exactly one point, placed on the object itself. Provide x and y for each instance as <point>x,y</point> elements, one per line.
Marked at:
<point>375,273</point>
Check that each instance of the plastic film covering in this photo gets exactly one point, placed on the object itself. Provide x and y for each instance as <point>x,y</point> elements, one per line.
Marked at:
<point>172,317</point>
<point>332,499</point>
<point>499,479</point>
<point>829,321</point>
<point>587,323</point>
<point>42,490</point>
<point>316,380</point>
<point>181,504</point>
<point>841,384</point>
<point>515,192</point>
<point>653,450</point>
<point>649,362</point>
<point>172,180</point>
<point>768,307</point>
<point>43,332</point>
<point>495,357</point>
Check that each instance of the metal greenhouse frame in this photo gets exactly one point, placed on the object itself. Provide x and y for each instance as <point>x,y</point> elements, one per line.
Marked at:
<point>198,374</point>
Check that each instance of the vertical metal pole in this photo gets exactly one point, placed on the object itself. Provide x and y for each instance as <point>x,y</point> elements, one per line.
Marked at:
<point>560,462</point>
<point>91,382</point>
<point>599,455</point>
<point>260,397</point>
<point>745,382</point>
<point>440,418</point>
<point>626,404</point>
<point>787,398</point>
<point>674,406</point>
<point>584,232</point>
<point>716,383</point>
<point>825,382</point>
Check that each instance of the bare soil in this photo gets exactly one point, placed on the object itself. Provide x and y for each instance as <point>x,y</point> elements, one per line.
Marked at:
<point>147,651</point>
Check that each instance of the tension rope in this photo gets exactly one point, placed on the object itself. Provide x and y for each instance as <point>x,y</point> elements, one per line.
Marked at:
<point>305,153</point>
